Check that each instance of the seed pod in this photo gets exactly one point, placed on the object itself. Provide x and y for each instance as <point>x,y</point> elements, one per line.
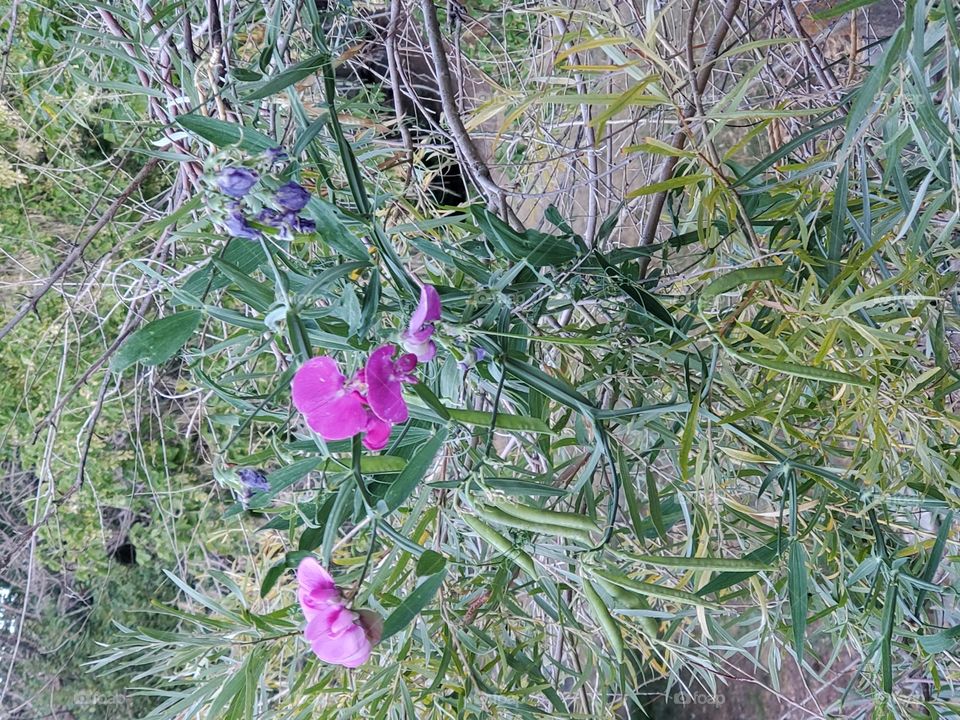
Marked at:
<point>497,515</point>
<point>631,601</point>
<point>516,555</point>
<point>610,627</point>
<point>550,517</point>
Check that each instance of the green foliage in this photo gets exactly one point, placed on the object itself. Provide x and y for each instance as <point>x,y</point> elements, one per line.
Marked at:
<point>746,451</point>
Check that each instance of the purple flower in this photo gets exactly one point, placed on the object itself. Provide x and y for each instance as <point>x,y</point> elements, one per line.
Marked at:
<point>269,216</point>
<point>303,225</point>
<point>336,408</point>
<point>236,181</point>
<point>292,196</point>
<point>385,377</point>
<point>473,356</point>
<point>416,338</point>
<point>333,407</point>
<point>276,156</point>
<point>238,227</point>
<point>254,479</point>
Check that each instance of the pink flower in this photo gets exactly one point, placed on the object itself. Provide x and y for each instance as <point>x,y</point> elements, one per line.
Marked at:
<point>385,377</point>
<point>416,338</point>
<point>336,408</point>
<point>336,634</point>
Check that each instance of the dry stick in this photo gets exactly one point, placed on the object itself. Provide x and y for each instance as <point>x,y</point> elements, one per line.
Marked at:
<point>679,139</point>
<point>77,252</point>
<point>8,44</point>
<point>461,138</point>
<point>810,49</point>
<point>391,47</point>
<point>593,199</point>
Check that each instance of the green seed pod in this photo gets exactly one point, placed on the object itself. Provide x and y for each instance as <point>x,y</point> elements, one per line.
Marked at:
<point>497,515</point>
<point>516,555</point>
<point>610,627</point>
<point>550,517</point>
<point>631,601</point>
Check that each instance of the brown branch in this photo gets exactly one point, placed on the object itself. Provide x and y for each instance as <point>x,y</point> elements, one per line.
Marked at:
<point>77,252</point>
<point>461,138</point>
<point>679,139</point>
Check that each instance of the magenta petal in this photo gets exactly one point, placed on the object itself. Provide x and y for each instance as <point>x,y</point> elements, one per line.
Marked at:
<point>428,309</point>
<point>425,351</point>
<point>339,419</point>
<point>316,383</point>
<point>316,589</point>
<point>383,386</point>
<point>378,433</point>
<point>350,648</point>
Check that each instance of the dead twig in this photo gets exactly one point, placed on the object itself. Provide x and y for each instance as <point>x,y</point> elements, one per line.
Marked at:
<point>679,139</point>
<point>77,252</point>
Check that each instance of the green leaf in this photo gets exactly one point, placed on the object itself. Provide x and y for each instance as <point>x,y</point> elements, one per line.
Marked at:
<point>936,556</point>
<point>810,373</point>
<point>224,134</point>
<point>430,563</point>
<point>671,184</point>
<point>271,577</point>
<point>797,582</point>
<point>763,555</point>
<point>504,421</point>
<point>536,247</point>
<point>286,78</point>
<point>411,606</point>
<point>415,470</point>
<point>157,341</point>
<point>941,641</point>
<point>728,282</point>
<point>653,503</point>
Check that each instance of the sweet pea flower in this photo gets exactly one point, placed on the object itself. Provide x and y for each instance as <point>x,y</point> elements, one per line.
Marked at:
<point>236,181</point>
<point>336,408</point>
<point>276,156</point>
<point>255,480</point>
<point>336,634</point>
<point>385,377</point>
<point>237,226</point>
<point>292,197</point>
<point>333,406</point>
<point>416,338</point>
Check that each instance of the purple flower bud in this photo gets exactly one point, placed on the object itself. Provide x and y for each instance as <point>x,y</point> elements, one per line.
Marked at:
<point>254,479</point>
<point>236,181</point>
<point>269,216</point>
<point>276,155</point>
<point>292,196</point>
<point>303,225</point>
<point>479,354</point>
<point>238,227</point>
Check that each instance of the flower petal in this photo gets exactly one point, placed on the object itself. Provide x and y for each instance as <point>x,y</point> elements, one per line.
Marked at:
<point>341,418</point>
<point>378,433</point>
<point>428,309</point>
<point>425,350</point>
<point>316,383</point>
<point>350,648</point>
<point>316,589</point>
<point>383,386</point>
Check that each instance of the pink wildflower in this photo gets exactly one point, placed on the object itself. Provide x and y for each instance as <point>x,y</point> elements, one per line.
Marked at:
<point>416,338</point>
<point>336,634</point>
<point>385,377</point>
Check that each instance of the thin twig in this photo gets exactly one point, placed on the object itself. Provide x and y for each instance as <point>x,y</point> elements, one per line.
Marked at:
<point>77,252</point>
<point>679,139</point>
<point>461,138</point>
